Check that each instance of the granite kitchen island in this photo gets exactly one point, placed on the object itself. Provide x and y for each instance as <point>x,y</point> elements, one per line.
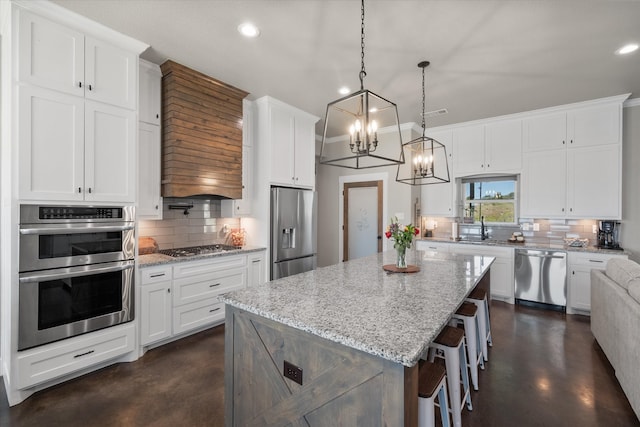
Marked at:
<point>340,345</point>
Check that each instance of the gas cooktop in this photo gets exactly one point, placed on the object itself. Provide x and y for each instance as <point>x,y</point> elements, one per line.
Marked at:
<point>198,250</point>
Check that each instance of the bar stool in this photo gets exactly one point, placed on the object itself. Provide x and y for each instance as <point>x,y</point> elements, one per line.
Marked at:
<point>467,314</point>
<point>450,342</point>
<point>432,382</point>
<point>479,298</point>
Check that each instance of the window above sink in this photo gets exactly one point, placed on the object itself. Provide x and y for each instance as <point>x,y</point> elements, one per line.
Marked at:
<point>494,198</point>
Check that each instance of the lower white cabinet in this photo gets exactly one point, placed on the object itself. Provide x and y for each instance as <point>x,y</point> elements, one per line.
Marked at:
<point>181,297</point>
<point>579,266</point>
<point>431,246</point>
<point>51,361</point>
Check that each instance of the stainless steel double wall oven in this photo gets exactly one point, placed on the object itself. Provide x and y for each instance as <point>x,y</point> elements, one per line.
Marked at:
<point>76,271</point>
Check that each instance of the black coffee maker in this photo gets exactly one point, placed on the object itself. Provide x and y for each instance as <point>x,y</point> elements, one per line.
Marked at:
<point>608,235</point>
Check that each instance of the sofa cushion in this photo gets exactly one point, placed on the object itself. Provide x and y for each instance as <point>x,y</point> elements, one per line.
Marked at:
<point>623,271</point>
<point>634,289</point>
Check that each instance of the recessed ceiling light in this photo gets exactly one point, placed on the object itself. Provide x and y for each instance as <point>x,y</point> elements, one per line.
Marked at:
<point>628,48</point>
<point>343,90</point>
<point>248,30</point>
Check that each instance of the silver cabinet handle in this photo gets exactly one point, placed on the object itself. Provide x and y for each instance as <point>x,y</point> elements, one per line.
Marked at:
<point>157,275</point>
<point>214,285</point>
<point>596,260</point>
<point>215,309</point>
<point>83,354</point>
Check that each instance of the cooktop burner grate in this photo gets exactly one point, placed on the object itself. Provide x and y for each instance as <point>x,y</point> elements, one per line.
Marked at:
<point>198,250</point>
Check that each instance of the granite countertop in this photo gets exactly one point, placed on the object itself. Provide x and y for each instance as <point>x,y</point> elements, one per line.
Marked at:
<point>526,244</point>
<point>156,259</point>
<point>356,303</point>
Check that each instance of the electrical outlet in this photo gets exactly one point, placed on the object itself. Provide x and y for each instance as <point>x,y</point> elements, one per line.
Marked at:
<point>594,229</point>
<point>525,226</point>
<point>292,372</point>
<point>435,224</point>
<point>536,226</point>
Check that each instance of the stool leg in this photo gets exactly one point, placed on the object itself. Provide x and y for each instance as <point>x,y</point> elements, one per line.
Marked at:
<point>482,326</point>
<point>488,322</point>
<point>454,366</point>
<point>444,405</point>
<point>465,379</point>
<point>426,414</point>
<point>470,334</point>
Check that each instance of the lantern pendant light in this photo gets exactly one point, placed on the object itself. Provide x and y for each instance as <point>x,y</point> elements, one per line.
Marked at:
<point>427,157</point>
<point>362,130</point>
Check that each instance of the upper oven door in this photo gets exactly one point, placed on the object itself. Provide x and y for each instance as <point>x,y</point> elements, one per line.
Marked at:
<point>46,246</point>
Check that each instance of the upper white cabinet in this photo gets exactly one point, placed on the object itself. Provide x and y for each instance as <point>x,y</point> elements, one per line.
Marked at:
<point>438,199</point>
<point>149,142</point>
<point>572,163</point>
<point>243,207</point>
<point>150,88</point>
<point>488,149</point>
<point>77,102</point>
<point>581,127</point>
<point>290,135</point>
<point>71,149</point>
<point>59,58</point>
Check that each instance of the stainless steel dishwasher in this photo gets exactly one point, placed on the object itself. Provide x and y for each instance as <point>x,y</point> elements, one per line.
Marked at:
<point>541,277</point>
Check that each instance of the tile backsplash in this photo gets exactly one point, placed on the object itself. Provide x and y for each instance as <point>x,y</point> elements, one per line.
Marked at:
<point>551,231</point>
<point>202,226</point>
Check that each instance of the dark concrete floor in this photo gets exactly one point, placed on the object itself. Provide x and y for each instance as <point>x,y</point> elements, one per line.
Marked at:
<point>545,369</point>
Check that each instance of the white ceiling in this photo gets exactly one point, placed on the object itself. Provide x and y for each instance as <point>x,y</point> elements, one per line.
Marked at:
<point>488,58</point>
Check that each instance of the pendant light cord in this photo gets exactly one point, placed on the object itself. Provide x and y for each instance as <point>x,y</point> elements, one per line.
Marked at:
<point>363,73</point>
<point>423,103</point>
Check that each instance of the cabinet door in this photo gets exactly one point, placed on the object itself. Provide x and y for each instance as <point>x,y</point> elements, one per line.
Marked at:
<point>545,132</point>
<point>580,287</point>
<point>149,200</point>
<point>305,153</point>
<point>544,184</point>
<point>51,145</point>
<point>149,88</point>
<point>598,125</point>
<point>256,268</point>
<point>503,146</point>
<point>110,153</point>
<point>282,137</point>
<point>437,199</point>
<point>594,182</point>
<point>50,55</point>
<point>155,312</point>
<point>468,150</point>
<point>110,74</point>
<point>502,281</point>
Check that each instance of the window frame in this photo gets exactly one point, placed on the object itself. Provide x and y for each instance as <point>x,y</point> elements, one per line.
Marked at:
<point>515,201</point>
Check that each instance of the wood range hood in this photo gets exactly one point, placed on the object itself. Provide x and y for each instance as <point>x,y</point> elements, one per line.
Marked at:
<point>202,135</point>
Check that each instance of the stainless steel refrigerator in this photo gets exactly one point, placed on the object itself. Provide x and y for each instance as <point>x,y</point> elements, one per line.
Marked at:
<point>293,231</point>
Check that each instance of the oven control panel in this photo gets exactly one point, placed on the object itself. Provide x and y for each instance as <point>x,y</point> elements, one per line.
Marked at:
<point>33,214</point>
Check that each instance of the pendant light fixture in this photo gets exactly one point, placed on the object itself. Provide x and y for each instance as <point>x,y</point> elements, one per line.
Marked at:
<point>361,130</point>
<point>427,157</point>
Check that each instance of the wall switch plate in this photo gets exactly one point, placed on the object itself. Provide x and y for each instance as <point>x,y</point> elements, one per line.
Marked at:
<point>536,226</point>
<point>525,226</point>
<point>292,372</point>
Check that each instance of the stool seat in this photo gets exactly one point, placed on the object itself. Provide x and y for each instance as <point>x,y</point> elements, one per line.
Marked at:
<point>467,309</point>
<point>478,293</point>
<point>450,336</point>
<point>429,378</point>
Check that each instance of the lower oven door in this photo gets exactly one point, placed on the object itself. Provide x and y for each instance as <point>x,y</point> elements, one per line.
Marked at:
<point>61,303</point>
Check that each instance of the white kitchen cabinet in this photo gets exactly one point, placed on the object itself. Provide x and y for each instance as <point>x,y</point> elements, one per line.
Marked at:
<point>150,92</point>
<point>243,207</point>
<point>59,58</point>
<point>71,149</point>
<point>256,268</point>
<point>590,125</point>
<point>149,143</point>
<point>502,275</point>
<point>289,134</point>
<point>488,149</point>
<point>149,199</point>
<point>579,266</point>
<point>48,362</point>
<point>156,304</point>
<point>543,184</point>
<point>438,199</point>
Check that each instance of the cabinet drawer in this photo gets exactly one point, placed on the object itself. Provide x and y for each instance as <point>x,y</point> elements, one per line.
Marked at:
<point>594,260</point>
<point>196,288</point>
<point>155,274</point>
<point>194,268</point>
<point>47,362</point>
<point>194,315</point>
<point>425,245</point>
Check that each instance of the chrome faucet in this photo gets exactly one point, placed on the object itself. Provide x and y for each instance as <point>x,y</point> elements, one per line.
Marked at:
<point>483,232</point>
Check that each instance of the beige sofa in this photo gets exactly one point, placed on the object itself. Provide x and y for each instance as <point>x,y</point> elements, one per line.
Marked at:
<point>615,322</point>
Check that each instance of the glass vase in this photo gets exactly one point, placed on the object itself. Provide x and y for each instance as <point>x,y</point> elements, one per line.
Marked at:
<point>401,260</point>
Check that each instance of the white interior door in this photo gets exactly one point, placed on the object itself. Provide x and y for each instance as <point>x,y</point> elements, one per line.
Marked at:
<point>363,219</point>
